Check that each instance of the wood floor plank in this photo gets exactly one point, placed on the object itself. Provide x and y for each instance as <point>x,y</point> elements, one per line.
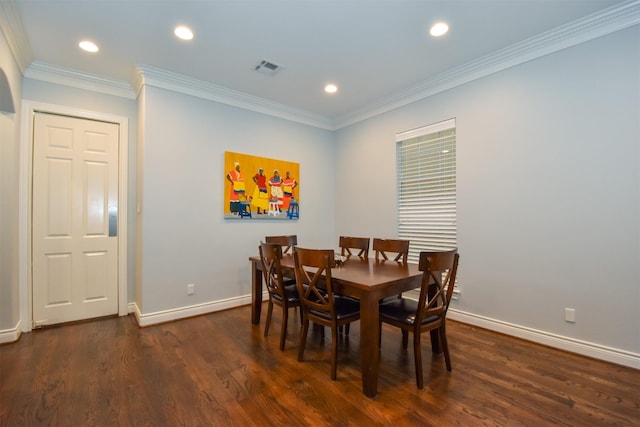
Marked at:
<point>219,370</point>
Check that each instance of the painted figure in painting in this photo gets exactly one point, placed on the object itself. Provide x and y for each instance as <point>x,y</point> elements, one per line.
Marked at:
<point>288,185</point>
<point>236,192</point>
<point>276,189</point>
<point>260,194</point>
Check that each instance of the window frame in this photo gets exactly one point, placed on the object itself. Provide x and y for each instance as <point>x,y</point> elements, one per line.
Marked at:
<point>427,188</point>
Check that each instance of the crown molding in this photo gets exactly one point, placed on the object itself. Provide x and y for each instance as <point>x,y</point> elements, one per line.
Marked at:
<point>14,33</point>
<point>66,77</point>
<point>591,27</point>
<point>151,76</point>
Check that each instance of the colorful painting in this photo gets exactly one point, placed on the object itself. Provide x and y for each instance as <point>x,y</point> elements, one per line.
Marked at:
<point>260,188</point>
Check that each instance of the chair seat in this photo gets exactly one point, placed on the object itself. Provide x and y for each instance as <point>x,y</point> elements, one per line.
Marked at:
<point>345,308</point>
<point>392,298</point>
<point>291,293</point>
<point>403,310</point>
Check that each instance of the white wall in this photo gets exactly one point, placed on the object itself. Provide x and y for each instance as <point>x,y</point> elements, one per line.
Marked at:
<point>184,236</point>
<point>9,162</point>
<point>548,189</point>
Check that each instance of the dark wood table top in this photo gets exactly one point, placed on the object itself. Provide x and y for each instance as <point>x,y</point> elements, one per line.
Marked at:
<point>365,275</point>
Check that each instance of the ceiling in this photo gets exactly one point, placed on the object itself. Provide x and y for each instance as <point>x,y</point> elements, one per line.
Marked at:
<point>371,49</point>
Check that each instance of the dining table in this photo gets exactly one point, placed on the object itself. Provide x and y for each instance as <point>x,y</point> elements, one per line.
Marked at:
<point>368,280</point>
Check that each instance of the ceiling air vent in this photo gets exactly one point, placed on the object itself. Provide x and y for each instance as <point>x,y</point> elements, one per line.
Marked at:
<point>267,68</point>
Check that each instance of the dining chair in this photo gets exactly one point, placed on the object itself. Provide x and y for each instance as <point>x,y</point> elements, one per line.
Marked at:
<point>430,311</point>
<point>319,303</point>
<point>358,243</point>
<point>346,244</point>
<point>287,242</point>
<point>385,248</point>
<point>282,292</point>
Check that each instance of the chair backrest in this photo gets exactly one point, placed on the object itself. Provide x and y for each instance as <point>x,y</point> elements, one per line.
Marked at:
<point>439,270</point>
<point>313,277</point>
<point>287,242</point>
<point>360,243</point>
<point>385,247</point>
<point>270,255</point>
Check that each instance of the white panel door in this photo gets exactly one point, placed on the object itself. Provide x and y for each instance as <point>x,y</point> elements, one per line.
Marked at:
<point>75,206</point>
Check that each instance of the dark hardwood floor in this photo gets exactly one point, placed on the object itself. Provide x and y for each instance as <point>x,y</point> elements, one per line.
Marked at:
<point>219,370</point>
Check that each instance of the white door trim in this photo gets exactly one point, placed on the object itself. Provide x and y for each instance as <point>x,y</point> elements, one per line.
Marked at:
<point>25,184</point>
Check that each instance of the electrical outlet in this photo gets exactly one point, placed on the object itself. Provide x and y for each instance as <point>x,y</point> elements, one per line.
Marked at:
<point>191,289</point>
<point>570,315</point>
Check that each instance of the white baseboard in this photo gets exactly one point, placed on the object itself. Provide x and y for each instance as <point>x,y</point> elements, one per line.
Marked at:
<point>11,335</point>
<point>149,319</point>
<point>584,348</point>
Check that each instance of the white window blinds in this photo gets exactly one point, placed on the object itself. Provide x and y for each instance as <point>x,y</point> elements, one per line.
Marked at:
<point>427,187</point>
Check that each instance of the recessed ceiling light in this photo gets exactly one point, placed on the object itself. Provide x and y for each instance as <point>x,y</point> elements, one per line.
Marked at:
<point>183,33</point>
<point>438,29</point>
<point>331,88</point>
<point>88,46</point>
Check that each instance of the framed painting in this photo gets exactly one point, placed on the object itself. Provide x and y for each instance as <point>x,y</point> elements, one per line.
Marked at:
<point>260,188</point>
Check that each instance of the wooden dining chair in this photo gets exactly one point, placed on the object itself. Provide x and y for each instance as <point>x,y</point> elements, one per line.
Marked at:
<point>319,303</point>
<point>385,248</point>
<point>287,242</point>
<point>361,244</point>
<point>282,292</point>
<point>430,311</point>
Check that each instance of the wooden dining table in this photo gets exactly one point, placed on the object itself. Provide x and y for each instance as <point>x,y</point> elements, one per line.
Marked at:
<point>369,281</point>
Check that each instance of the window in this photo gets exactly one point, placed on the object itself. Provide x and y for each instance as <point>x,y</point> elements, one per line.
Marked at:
<point>427,187</point>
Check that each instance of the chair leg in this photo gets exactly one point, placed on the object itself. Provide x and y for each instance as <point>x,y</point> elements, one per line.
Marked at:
<point>344,329</point>
<point>320,329</point>
<point>445,346</point>
<point>417,355</point>
<point>303,338</point>
<point>334,353</point>
<point>283,329</point>
<point>268,321</point>
<point>405,339</point>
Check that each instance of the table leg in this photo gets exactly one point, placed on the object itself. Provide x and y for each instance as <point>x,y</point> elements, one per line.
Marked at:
<point>369,347</point>
<point>256,293</point>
